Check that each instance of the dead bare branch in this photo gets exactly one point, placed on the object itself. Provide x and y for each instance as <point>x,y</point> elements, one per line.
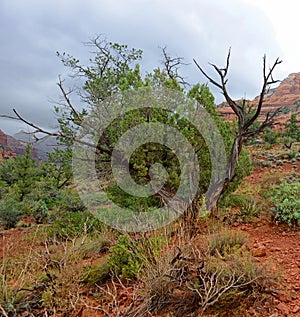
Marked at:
<point>172,65</point>
<point>244,127</point>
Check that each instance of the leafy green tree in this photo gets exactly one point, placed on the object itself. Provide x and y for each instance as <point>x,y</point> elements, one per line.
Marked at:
<point>114,69</point>
<point>9,212</point>
<point>270,136</point>
<point>291,132</point>
<point>6,171</point>
<point>21,173</point>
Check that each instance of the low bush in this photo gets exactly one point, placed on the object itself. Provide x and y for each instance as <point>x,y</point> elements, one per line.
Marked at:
<point>70,225</point>
<point>241,208</point>
<point>129,256</point>
<point>226,242</point>
<point>69,201</point>
<point>188,281</point>
<point>285,198</point>
<point>10,212</point>
<point>224,285</point>
<point>39,212</point>
<point>96,274</point>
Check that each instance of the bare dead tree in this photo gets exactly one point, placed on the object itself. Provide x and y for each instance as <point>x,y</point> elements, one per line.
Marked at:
<point>245,126</point>
<point>172,65</point>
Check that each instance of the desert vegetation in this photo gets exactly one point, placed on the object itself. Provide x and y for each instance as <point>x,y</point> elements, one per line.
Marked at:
<point>60,259</point>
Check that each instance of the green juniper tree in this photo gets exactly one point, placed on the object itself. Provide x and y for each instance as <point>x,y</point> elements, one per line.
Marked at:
<point>291,132</point>
<point>114,70</point>
<point>20,173</point>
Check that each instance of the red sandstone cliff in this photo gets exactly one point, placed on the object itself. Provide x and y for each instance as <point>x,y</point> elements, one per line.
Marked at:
<point>286,95</point>
<point>10,147</point>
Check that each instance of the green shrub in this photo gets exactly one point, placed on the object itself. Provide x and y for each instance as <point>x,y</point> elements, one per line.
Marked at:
<point>124,260</point>
<point>292,154</point>
<point>285,198</point>
<point>96,274</point>
<point>226,242</point>
<point>129,257</point>
<point>69,201</point>
<point>10,212</point>
<point>270,136</point>
<point>73,224</point>
<point>39,212</point>
<point>244,207</point>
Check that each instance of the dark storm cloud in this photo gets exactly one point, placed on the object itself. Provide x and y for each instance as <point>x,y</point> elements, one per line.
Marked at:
<point>32,31</point>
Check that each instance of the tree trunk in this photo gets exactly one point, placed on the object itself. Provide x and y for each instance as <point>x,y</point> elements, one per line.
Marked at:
<point>244,126</point>
<point>213,195</point>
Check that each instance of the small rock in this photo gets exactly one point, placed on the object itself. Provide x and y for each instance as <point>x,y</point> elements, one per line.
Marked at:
<point>177,292</point>
<point>283,298</point>
<point>275,249</point>
<point>296,309</point>
<point>267,242</point>
<point>259,252</point>
<point>283,308</point>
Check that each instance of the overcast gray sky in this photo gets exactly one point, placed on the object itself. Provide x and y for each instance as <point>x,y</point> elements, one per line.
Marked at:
<point>32,31</point>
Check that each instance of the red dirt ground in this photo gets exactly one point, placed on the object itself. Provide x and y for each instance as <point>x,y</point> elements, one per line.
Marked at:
<point>276,245</point>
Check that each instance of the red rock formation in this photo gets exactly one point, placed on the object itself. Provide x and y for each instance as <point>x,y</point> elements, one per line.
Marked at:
<point>10,147</point>
<point>286,95</point>
<point>3,138</point>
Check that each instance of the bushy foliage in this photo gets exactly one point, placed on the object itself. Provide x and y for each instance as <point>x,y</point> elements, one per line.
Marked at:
<point>285,198</point>
<point>226,242</point>
<point>112,70</point>
<point>270,136</point>
<point>291,132</point>
<point>123,259</point>
<point>20,174</point>
<point>129,256</point>
<point>39,212</point>
<point>238,208</point>
<point>96,274</point>
<point>187,282</point>
<point>68,200</point>
<point>10,211</point>
<point>35,189</point>
<point>69,225</point>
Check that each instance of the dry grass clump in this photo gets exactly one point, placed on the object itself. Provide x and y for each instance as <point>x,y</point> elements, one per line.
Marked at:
<point>226,241</point>
<point>193,279</point>
<point>49,277</point>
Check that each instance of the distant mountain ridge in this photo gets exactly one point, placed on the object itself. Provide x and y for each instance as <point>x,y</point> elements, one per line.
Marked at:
<point>43,146</point>
<point>286,95</point>
<point>11,146</point>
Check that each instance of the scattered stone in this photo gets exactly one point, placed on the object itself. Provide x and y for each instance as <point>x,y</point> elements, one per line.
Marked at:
<point>283,308</point>
<point>275,249</point>
<point>296,309</point>
<point>259,251</point>
<point>283,298</point>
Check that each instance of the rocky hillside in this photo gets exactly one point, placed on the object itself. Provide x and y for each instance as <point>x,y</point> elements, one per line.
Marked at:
<point>13,146</point>
<point>43,146</point>
<point>286,95</point>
